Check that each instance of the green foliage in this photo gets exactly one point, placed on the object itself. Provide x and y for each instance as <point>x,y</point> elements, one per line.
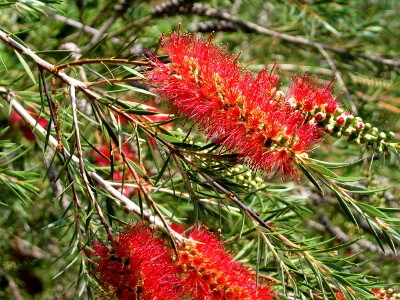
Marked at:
<point>337,229</point>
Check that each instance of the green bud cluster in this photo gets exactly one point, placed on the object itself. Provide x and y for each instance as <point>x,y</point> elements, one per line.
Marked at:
<point>238,173</point>
<point>241,175</point>
<point>340,124</point>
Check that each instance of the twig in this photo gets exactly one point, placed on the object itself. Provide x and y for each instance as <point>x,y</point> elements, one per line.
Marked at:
<point>120,9</point>
<point>181,194</point>
<point>130,207</point>
<point>113,81</point>
<point>76,24</point>
<point>60,148</point>
<point>212,182</point>
<point>14,288</point>
<point>205,10</point>
<point>165,224</point>
<point>82,165</point>
<point>47,66</point>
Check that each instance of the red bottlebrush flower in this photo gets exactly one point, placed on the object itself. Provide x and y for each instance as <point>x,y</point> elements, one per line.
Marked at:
<point>15,119</point>
<point>309,96</point>
<point>209,272</point>
<point>136,267</point>
<point>236,109</point>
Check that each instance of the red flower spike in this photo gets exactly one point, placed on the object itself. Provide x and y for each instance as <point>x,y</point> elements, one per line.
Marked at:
<point>236,109</point>
<point>308,95</point>
<point>136,267</point>
<point>211,274</point>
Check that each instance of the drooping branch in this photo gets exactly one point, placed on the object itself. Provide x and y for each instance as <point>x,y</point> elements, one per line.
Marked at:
<point>129,206</point>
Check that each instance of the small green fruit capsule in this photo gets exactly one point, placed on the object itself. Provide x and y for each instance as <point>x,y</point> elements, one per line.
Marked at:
<point>339,111</point>
<point>366,138</point>
<point>347,132</point>
<point>349,119</point>
<point>390,134</point>
<point>382,136</point>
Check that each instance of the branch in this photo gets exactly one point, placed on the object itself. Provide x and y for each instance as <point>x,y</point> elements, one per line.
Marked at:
<point>205,10</point>
<point>76,24</point>
<point>82,165</point>
<point>181,194</point>
<point>130,206</point>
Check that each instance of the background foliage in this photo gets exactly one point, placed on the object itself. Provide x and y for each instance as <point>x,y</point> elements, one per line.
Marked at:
<point>42,228</point>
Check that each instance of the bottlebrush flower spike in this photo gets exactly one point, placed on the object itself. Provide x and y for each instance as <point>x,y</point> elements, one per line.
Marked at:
<point>240,110</point>
<point>136,267</point>
<point>311,95</point>
<point>210,273</point>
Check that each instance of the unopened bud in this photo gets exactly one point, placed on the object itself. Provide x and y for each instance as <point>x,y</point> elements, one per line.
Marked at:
<point>340,120</point>
<point>360,126</point>
<point>339,111</point>
<point>366,138</point>
<point>319,117</point>
<point>349,119</point>
<point>382,136</point>
<point>329,128</point>
<point>367,127</point>
<point>347,132</point>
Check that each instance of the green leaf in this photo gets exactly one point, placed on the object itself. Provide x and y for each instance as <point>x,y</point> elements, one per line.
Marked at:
<point>92,50</point>
<point>311,178</point>
<point>331,165</point>
<point>361,190</point>
<point>349,179</point>
<point>322,170</point>
<point>134,72</point>
<point>26,67</point>
<point>169,138</point>
<point>140,112</point>
<point>345,207</point>
<point>389,241</point>
<point>127,46</point>
<point>133,88</point>
<point>139,170</point>
<point>337,247</point>
<point>389,209</point>
<point>372,210</point>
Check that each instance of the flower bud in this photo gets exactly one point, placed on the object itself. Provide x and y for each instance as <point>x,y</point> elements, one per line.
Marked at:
<point>347,132</point>
<point>340,120</point>
<point>382,136</point>
<point>349,119</point>
<point>319,117</point>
